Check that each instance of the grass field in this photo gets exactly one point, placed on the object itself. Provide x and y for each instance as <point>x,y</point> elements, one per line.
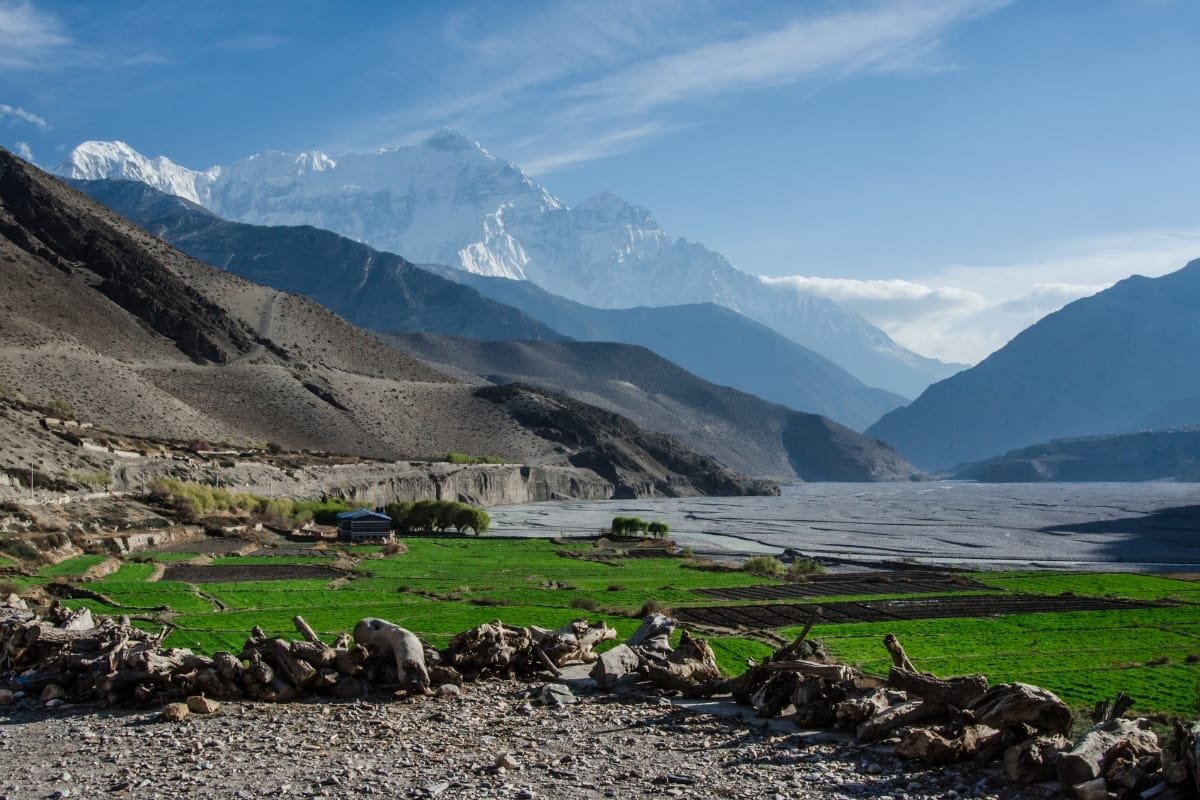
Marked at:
<point>444,586</point>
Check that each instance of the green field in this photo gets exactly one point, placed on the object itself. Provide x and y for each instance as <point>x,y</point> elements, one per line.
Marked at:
<point>443,586</point>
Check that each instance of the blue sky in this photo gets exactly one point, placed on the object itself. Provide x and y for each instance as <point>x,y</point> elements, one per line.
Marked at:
<point>951,169</point>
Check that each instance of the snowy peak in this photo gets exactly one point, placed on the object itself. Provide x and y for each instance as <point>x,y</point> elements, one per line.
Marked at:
<point>449,201</point>
<point>95,160</point>
<point>450,140</point>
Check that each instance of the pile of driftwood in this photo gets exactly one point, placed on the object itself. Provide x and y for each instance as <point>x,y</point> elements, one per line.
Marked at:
<point>946,721</point>
<point>71,656</point>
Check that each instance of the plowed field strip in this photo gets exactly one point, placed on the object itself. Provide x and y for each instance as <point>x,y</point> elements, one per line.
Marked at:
<point>777,616</point>
<point>841,585</point>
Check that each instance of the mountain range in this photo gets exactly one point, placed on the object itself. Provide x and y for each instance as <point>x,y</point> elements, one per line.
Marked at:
<point>384,292</point>
<point>1120,361</point>
<point>448,201</point>
<point>102,320</point>
<point>1144,456</point>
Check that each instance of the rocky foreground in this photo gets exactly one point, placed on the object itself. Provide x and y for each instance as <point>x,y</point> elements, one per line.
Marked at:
<point>494,739</point>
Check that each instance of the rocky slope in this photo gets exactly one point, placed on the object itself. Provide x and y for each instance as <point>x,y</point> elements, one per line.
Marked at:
<point>1144,456</point>
<point>101,318</point>
<point>384,292</point>
<point>740,430</point>
<point>449,201</point>
<point>1119,361</point>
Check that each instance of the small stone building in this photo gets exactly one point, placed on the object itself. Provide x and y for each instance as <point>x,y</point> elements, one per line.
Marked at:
<point>361,525</point>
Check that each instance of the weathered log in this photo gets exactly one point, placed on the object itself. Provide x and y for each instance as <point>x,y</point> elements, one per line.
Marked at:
<point>1011,703</point>
<point>278,652</point>
<point>860,707</point>
<point>79,620</point>
<point>899,716</point>
<point>814,669</point>
<point>405,647</point>
<point>653,637</point>
<point>573,643</point>
<point>690,664</point>
<point>934,747</point>
<point>350,661</point>
<point>306,630</point>
<point>1108,710</point>
<point>1181,758</point>
<point>775,694</point>
<point>1090,757</point>
<point>1035,760</point>
<point>896,651</point>
<point>960,692</point>
<point>228,665</point>
<point>315,653</point>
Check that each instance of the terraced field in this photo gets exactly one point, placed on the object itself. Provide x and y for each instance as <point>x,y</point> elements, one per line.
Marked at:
<point>1082,635</point>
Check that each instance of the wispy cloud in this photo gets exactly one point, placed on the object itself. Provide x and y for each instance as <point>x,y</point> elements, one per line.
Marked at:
<point>632,71</point>
<point>25,151</point>
<point>965,312</point>
<point>16,112</point>
<point>28,36</point>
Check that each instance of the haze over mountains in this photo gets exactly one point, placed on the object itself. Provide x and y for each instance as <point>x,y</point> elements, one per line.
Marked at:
<point>386,293</point>
<point>448,201</point>
<point>1120,361</point>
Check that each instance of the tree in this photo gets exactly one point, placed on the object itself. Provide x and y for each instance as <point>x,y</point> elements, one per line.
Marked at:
<point>399,514</point>
<point>659,530</point>
<point>470,517</point>
<point>422,515</point>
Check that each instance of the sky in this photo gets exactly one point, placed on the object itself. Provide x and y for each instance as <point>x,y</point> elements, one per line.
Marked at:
<point>951,169</point>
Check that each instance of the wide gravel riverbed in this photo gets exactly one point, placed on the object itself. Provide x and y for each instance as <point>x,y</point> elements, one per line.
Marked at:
<point>1119,526</point>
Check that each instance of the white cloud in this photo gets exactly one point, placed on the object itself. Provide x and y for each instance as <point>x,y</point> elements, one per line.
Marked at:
<point>963,313</point>
<point>27,36</point>
<point>25,151</point>
<point>19,113</point>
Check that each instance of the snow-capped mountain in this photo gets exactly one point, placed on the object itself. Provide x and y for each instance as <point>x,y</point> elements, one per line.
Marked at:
<point>449,201</point>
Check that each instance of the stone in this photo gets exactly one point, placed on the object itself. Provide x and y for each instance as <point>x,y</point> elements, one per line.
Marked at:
<point>7,698</point>
<point>175,712</point>
<point>52,692</point>
<point>199,704</point>
<point>449,690</point>
<point>614,665</point>
<point>556,695</point>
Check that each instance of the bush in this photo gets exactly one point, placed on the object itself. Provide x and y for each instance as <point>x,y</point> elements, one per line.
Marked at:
<point>650,608</point>
<point>584,603</point>
<point>767,566</point>
<point>802,568</point>
<point>62,408</point>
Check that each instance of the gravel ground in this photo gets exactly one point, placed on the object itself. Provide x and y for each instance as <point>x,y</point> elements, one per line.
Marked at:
<point>492,741</point>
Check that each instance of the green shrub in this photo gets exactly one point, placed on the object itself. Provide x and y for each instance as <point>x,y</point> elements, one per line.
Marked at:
<point>767,566</point>
<point>802,568</point>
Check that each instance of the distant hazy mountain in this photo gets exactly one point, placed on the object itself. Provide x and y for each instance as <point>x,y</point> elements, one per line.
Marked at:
<point>448,201</point>
<point>741,431</point>
<point>372,289</point>
<point>712,341</point>
<point>1115,362</point>
<point>1145,456</point>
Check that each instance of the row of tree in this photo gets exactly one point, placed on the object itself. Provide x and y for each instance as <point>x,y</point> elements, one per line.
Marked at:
<point>633,526</point>
<point>437,516</point>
